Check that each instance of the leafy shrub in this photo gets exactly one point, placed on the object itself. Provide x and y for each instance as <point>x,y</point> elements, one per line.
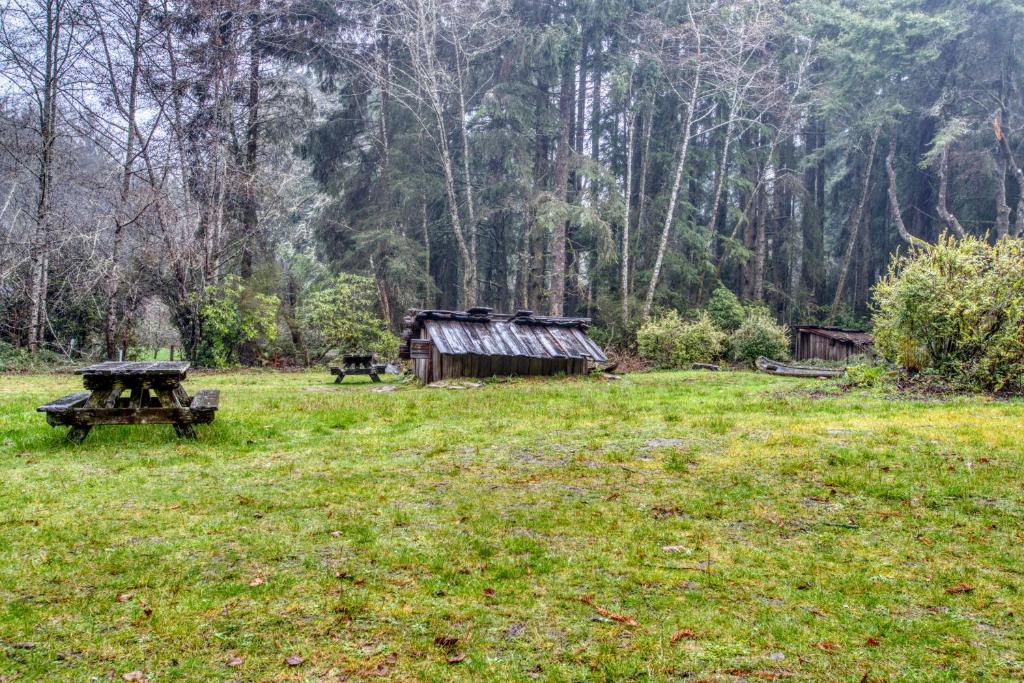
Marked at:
<point>725,309</point>
<point>234,315</point>
<point>12,359</point>
<point>671,342</point>
<point>864,376</point>
<point>759,335</point>
<point>957,308</point>
<point>343,317</point>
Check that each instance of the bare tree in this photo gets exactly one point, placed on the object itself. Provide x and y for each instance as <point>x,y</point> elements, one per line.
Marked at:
<point>38,43</point>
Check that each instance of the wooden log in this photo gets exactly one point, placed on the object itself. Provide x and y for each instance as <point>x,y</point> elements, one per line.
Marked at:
<point>775,368</point>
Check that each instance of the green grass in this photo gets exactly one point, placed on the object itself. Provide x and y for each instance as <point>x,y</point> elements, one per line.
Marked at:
<point>795,535</point>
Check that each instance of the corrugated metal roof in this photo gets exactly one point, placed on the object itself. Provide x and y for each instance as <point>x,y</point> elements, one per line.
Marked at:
<point>858,337</point>
<point>482,333</point>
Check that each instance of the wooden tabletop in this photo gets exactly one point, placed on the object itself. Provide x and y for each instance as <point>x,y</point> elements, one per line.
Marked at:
<point>156,368</point>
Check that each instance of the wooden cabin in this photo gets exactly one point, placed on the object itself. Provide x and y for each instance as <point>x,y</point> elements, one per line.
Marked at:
<point>480,343</point>
<point>830,343</point>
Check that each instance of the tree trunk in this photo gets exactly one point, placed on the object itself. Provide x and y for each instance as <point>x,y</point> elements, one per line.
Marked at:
<point>673,197</point>
<point>626,217</point>
<point>1018,174</point>
<point>894,200</point>
<point>854,224</point>
<point>563,155</point>
<point>250,217</point>
<point>947,216</point>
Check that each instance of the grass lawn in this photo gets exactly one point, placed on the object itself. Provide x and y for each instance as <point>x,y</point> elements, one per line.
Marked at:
<point>666,526</point>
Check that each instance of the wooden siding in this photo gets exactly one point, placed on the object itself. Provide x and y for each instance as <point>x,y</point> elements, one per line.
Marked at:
<point>810,345</point>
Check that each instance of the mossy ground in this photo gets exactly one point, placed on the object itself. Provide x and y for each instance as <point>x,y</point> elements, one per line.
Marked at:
<point>517,530</point>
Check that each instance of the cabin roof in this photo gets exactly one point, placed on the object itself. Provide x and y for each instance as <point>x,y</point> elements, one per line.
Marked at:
<point>481,332</point>
<point>856,337</point>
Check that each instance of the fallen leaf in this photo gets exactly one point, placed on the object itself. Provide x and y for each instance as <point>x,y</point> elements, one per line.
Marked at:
<point>827,646</point>
<point>674,548</point>
<point>257,581</point>
<point>455,659</point>
<point>294,660</point>
<point>681,634</point>
<point>134,676</point>
<point>608,614</point>
<point>489,592</point>
<point>872,642</point>
<point>336,534</point>
<point>763,675</point>
<point>124,597</point>
<point>612,497</point>
<point>960,589</point>
<point>446,641</point>
<point>235,661</point>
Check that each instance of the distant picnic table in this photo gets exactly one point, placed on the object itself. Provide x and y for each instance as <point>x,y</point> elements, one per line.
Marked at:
<point>133,393</point>
<point>357,364</point>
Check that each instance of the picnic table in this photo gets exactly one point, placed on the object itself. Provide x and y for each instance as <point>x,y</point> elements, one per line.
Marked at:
<point>133,393</point>
<point>357,364</point>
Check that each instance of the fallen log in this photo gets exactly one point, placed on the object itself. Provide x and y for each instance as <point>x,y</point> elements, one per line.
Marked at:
<point>781,369</point>
<point>705,366</point>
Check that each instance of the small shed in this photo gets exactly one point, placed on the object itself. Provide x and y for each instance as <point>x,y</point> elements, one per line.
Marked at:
<point>480,343</point>
<point>830,343</point>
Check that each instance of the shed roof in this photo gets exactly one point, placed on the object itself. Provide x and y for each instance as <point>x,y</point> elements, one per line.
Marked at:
<point>856,337</point>
<point>481,332</point>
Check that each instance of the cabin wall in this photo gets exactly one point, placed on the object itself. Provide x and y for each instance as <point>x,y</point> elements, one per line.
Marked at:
<point>809,345</point>
<point>479,366</point>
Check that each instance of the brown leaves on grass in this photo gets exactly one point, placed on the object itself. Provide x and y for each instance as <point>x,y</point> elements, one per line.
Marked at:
<point>608,614</point>
<point>960,589</point>
<point>235,661</point>
<point>125,597</point>
<point>872,642</point>
<point>666,511</point>
<point>827,646</point>
<point>764,675</point>
<point>294,660</point>
<point>489,592</point>
<point>135,676</point>
<point>448,643</point>
<point>683,634</point>
<point>257,580</point>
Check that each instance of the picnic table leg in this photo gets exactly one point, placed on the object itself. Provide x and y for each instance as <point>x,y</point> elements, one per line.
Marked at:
<point>176,397</point>
<point>100,398</point>
<point>341,376</point>
<point>78,434</point>
<point>374,377</point>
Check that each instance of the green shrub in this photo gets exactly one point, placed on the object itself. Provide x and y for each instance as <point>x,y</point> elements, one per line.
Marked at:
<point>671,342</point>
<point>725,309</point>
<point>234,315</point>
<point>343,316</point>
<point>864,376</point>
<point>12,359</point>
<point>957,308</point>
<point>759,335</point>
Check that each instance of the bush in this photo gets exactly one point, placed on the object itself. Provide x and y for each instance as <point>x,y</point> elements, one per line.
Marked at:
<point>759,335</point>
<point>725,309</point>
<point>671,342</point>
<point>235,315</point>
<point>957,308</point>
<point>343,317</point>
<point>865,376</point>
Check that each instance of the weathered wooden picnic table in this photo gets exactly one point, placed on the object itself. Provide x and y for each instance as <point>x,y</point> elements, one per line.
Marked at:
<point>357,364</point>
<point>133,393</point>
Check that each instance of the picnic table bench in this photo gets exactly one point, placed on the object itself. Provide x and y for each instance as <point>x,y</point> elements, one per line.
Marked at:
<point>357,364</point>
<point>133,393</point>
